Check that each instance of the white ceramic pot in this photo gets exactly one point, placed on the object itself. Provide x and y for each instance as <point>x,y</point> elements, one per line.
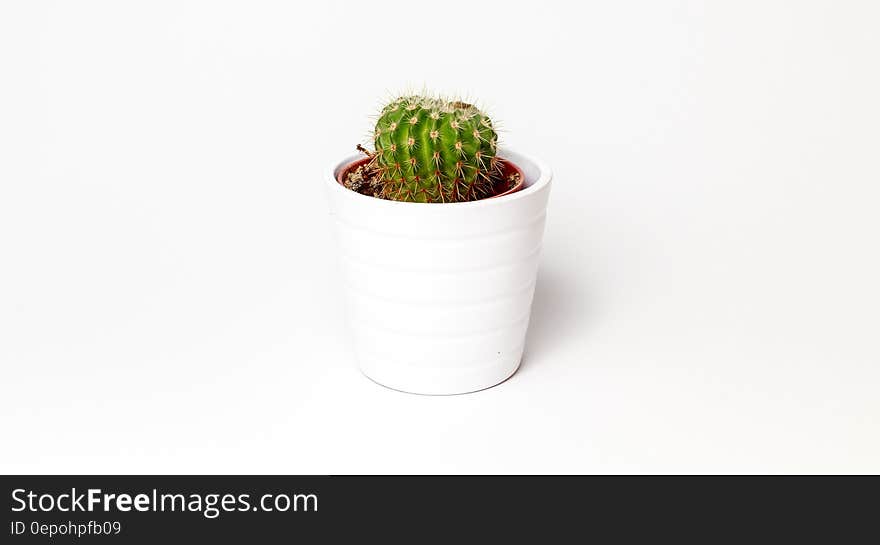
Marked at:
<point>439,295</point>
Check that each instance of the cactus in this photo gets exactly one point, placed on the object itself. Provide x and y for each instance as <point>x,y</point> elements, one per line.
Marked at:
<point>434,150</point>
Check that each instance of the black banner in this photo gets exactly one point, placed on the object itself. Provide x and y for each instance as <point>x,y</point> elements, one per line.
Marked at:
<point>147,509</point>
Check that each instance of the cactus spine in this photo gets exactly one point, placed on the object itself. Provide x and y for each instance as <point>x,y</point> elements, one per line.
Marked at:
<point>433,150</point>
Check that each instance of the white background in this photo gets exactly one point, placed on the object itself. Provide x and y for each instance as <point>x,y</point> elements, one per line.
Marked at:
<point>708,295</point>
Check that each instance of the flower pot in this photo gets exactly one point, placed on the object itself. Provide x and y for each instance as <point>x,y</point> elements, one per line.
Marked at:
<point>439,295</point>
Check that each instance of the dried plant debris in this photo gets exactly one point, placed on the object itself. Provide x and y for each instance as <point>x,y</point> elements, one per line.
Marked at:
<point>365,180</point>
<point>511,181</point>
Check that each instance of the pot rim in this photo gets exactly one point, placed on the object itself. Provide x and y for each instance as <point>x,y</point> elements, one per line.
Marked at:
<point>543,179</point>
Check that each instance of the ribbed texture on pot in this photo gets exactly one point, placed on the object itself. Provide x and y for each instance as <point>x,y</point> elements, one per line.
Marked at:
<point>439,295</point>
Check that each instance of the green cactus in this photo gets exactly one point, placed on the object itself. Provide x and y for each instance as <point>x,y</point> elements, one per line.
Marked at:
<point>433,150</point>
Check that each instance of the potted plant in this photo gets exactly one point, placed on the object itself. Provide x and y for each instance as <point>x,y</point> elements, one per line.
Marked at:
<point>439,232</point>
